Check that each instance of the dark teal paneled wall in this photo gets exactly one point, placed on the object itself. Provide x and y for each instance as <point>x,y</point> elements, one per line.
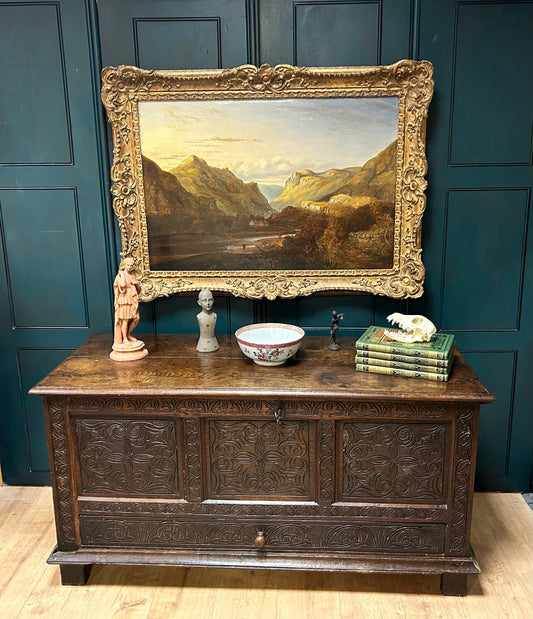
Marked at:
<point>60,244</point>
<point>478,230</point>
<point>54,217</point>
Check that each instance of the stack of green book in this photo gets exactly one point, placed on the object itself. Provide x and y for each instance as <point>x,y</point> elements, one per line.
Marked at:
<point>380,354</point>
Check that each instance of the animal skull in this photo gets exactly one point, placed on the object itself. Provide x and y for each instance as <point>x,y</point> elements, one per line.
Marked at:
<point>415,328</point>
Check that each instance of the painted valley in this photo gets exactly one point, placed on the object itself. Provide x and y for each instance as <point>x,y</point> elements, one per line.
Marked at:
<point>238,204</point>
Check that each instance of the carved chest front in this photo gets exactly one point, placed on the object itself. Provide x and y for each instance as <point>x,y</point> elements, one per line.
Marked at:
<point>194,459</point>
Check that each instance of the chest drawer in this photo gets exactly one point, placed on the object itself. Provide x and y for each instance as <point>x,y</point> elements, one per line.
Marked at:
<point>262,536</point>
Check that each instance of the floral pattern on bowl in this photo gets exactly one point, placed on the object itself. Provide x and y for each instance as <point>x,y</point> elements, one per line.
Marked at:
<point>269,343</point>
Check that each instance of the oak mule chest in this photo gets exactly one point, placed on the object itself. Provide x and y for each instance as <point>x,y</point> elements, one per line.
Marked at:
<point>194,459</point>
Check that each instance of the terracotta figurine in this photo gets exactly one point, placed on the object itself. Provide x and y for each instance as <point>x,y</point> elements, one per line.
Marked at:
<point>207,320</point>
<point>126,289</point>
<point>335,318</point>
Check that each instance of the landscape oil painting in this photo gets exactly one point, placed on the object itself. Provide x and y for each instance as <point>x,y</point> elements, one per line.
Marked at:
<point>294,184</point>
<point>269,182</point>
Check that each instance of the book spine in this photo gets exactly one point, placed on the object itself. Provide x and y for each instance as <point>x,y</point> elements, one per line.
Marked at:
<point>376,369</point>
<point>414,365</point>
<point>384,356</point>
<point>396,350</point>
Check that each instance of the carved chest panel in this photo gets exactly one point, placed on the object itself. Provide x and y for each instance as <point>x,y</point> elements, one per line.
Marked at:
<point>190,459</point>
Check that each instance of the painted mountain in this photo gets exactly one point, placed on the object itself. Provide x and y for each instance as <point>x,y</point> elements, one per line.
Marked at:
<point>309,185</point>
<point>201,217</point>
<point>166,196</point>
<point>345,217</point>
<point>227,193</point>
<point>190,208</point>
<point>377,179</point>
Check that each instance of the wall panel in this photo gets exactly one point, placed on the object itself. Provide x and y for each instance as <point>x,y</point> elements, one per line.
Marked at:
<point>47,220</point>
<point>483,273</point>
<point>492,58</point>
<point>174,34</point>
<point>316,312</point>
<point>32,365</point>
<point>177,43</point>
<point>334,32</point>
<point>497,368</point>
<point>35,127</point>
<point>324,33</point>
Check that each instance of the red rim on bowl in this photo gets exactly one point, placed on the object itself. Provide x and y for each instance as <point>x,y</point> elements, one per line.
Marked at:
<point>240,334</point>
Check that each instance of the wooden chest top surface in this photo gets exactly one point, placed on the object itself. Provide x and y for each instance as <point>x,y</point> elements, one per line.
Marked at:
<point>173,367</point>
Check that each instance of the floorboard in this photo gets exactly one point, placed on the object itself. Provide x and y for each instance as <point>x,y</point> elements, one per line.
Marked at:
<point>502,537</point>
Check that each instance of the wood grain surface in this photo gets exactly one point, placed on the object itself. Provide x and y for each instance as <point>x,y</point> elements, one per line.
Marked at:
<point>174,367</point>
<point>502,531</point>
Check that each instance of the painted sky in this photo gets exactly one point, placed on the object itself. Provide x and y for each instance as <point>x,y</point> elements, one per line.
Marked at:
<point>267,140</point>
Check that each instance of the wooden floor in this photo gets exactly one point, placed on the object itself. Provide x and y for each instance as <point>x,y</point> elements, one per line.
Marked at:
<point>502,537</point>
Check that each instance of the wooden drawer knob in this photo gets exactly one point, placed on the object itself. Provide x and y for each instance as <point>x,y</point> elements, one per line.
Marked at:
<point>260,539</point>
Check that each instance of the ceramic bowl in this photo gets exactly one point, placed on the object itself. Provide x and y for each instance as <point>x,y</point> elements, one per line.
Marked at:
<point>269,343</point>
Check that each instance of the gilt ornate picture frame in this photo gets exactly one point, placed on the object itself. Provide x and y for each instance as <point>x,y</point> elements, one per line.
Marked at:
<point>272,181</point>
